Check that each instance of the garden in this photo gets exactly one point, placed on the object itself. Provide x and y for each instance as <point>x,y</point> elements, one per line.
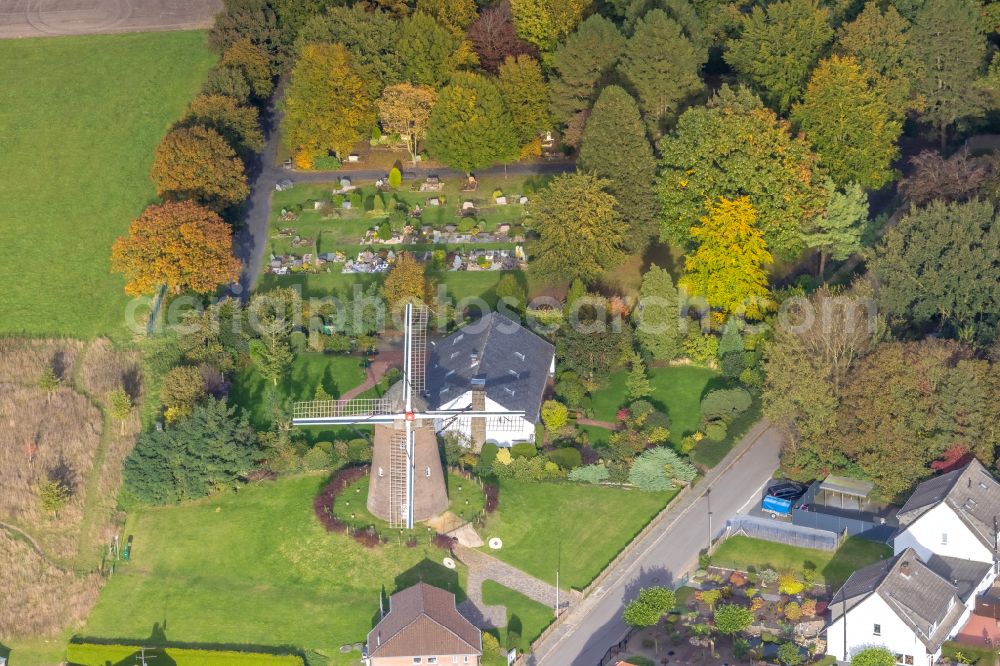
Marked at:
<point>751,599</point>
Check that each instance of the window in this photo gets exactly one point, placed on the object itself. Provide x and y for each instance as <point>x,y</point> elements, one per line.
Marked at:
<point>454,659</point>
<point>877,630</point>
<point>466,659</point>
<point>944,538</point>
<point>908,659</point>
<point>432,660</point>
<point>417,660</point>
<point>899,658</point>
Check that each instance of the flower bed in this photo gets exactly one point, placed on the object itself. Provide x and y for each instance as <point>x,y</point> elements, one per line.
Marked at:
<point>323,504</point>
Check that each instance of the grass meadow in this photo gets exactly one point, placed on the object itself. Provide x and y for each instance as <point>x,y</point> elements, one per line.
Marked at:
<point>79,121</point>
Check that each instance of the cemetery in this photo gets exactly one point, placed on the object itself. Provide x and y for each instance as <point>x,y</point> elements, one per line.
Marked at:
<point>348,227</point>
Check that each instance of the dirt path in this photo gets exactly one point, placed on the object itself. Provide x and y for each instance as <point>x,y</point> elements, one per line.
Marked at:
<point>18,533</point>
<point>582,420</point>
<point>375,372</point>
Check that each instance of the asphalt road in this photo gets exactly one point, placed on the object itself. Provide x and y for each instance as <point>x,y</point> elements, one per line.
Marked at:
<point>666,555</point>
<point>251,241</point>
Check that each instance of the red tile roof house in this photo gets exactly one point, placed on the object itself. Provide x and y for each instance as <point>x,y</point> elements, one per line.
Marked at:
<point>423,627</point>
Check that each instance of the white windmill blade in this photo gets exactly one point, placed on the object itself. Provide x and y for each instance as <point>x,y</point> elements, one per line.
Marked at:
<point>410,462</point>
<point>359,410</point>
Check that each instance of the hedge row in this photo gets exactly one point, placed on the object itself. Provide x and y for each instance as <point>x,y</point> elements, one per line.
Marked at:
<point>88,654</point>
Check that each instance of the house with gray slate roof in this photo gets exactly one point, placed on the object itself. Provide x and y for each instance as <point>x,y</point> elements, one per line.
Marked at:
<point>491,364</point>
<point>945,558</point>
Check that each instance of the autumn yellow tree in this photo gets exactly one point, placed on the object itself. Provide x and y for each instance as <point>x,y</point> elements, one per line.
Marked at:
<point>405,109</point>
<point>727,268</point>
<point>254,62</point>
<point>455,15</point>
<point>196,163</point>
<point>545,23</point>
<point>178,244</point>
<point>239,125</point>
<point>405,282</point>
<point>327,106</point>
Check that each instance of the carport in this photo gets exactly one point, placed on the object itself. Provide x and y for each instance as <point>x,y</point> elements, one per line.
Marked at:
<point>842,493</point>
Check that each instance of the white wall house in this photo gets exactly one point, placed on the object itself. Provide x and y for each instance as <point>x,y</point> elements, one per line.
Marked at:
<point>502,431</point>
<point>491,364</point>
<point>945,557</point>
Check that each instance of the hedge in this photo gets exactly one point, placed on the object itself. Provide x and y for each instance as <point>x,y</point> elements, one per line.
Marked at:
<point>88,654</point>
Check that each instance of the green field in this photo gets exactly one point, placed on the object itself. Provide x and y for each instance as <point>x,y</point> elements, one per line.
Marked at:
<point>832,568</point>
<point>254,569</point>
<point>124,655</point>
<point>79,123</point>
<point>575,528</point>
<point>465,498</point>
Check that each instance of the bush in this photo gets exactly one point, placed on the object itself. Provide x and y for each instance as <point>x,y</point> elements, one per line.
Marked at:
<point>444,542</point>
<point>338,344</point>
<point>725,403</point>
<point>395,178</point>
<point>486,458</point>
<point>715,431</point>
<point>701,347</point>
<point>589,474</point>
<point>567,458</point>
<point>789,655</point>
<point>657,469</point>
<point>738,579</point>
<point>570,389</point>
<point>523,450</point>
<point>793,612</point>
<point>317,458</point>
<point>356,200</point>
<point>790,585</point>
<point>359,450</point>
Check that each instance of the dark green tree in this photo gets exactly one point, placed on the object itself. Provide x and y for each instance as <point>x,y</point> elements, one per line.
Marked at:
<point>779,45</point>
<point>371,37</point>
<point>594,355</point>
<point>579,229</point>
<point>615,147</point>
<point>939,266</point>
<point>657,316</point>
<point>735,147</point>
<point>211,450</point>
<point>582,64</point>
<point>525,96</point>
<point>651,605</point>
<point>662,66</point>
<point>427,52</point>
<point>837,232</point>
<point>731,619</point>
<point>731,351</point>
<point>469,126</point>
<point>949,49</point>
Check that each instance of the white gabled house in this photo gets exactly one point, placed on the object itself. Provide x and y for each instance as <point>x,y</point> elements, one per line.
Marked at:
<point>491,364</point>
<point>945,557</point>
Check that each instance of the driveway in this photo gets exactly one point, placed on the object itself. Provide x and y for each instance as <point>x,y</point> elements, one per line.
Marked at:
<point>40,18</point>
<point>664,556</point>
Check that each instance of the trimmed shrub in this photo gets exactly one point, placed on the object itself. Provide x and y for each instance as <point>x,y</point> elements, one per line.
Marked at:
<point>554,414</point>
<point>523,450</point>
<point>444,542</point>
<point>359,450</point>
<point>567,458</point>
<point>725,403</point>
<point>596,473</point>
<point>395,178</point>
<point>715,431</point>
<point>317,458</point>
<point>356,200</point>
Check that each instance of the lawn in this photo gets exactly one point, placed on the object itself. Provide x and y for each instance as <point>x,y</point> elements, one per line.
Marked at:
<point>677,390</point>
<point>833,568</point>
<point>336,372</point>
<point>465,500</point>
<point>526,618</point>
<point>550,526</point>
<point>79,123</point>
<point>254,569</point>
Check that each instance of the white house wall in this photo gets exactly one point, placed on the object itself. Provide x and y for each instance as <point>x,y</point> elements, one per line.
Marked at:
<point>895,636</point>
<point>507,435</point>
<point>925,535</point>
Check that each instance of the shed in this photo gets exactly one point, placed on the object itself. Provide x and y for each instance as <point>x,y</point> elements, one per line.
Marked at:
<point>845,492</point>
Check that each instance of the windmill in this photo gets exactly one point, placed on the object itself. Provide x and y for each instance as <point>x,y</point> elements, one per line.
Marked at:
<point>407,481</point>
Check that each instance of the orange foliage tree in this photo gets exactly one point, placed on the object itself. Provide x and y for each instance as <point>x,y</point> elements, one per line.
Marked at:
<point>178,244</point>
<point>405,109</point>
<point>196,163</point>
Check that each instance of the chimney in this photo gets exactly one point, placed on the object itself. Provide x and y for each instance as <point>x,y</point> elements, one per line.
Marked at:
<point>478,426</point>
<point>904,569</point>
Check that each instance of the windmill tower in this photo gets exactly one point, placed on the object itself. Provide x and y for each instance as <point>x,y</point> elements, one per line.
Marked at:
<point>407,481</point>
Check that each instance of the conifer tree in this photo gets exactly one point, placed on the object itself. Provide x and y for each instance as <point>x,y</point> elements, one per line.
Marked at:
<point>658,315</point>
<point>582,62</point>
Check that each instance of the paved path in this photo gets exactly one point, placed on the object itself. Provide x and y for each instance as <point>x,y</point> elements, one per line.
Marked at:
<point>375,372</point>
<point>252,241</point>
<point>482,567</point>
<point>39,18</point>
<point>664,555</point>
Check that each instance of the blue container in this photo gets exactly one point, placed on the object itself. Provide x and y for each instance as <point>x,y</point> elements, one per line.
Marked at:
<point>777,506</point>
